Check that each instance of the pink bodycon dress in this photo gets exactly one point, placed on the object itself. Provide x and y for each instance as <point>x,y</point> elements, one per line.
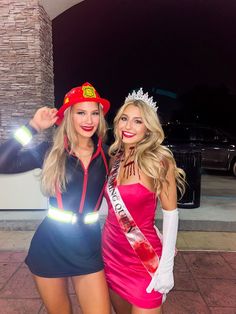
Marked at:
<point>124,271</point>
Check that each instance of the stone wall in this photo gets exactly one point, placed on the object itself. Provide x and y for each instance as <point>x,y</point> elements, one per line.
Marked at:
<point>26,64</point>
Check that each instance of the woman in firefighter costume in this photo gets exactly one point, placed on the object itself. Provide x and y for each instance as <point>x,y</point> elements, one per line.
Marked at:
<point>138,262</point>
<point>68,242</point>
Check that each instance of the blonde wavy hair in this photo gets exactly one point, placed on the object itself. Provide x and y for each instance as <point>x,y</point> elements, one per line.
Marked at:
<point>151,157</point>
<point>54,173</point>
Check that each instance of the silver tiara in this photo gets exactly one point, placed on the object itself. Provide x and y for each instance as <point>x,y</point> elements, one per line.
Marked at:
<point>139,95</point>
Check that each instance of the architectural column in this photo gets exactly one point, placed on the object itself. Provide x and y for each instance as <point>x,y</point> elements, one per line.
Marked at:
<point>26,62</point>
<point>26,83</point>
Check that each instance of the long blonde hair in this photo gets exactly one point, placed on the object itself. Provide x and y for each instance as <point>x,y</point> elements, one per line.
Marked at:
<point>53,172</point>
<point>151,157</point>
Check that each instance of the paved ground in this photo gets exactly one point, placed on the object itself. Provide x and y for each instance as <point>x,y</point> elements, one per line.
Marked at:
<point>204,283</point>
<point>205,275</point>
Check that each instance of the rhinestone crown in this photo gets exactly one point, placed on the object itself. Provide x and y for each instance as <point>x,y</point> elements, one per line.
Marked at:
<point>139,95</point>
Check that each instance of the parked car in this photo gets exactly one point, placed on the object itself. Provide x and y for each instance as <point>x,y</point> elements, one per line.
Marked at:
<point>218,149</point>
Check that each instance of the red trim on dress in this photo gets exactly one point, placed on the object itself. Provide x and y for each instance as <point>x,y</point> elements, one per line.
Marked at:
<point>100,198</point>
<point>105,160</point>
<point>84,189</point>
<point>59,198</point>
<point>107,170</point>
<point>85,181</point>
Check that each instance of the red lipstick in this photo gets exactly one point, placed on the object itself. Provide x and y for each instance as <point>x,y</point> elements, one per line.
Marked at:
<point>87,128</point>
<point>127,134</point>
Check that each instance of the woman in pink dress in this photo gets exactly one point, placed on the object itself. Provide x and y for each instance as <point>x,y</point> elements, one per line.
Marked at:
<point>138,259</point>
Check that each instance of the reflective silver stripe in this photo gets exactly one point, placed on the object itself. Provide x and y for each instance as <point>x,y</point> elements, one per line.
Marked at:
<point>23,135</point>
<point>69,216</point>
<point>62,215</point>
<point>91,217</point>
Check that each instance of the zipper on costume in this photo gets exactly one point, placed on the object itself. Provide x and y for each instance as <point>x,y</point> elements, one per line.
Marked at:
<point>84,189</point>
<point>85,182</point>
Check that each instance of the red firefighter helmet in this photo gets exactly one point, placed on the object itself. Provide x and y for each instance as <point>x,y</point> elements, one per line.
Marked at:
<point>86,92</point>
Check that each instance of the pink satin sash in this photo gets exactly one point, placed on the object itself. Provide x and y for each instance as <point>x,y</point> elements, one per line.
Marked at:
<point>134,235</point>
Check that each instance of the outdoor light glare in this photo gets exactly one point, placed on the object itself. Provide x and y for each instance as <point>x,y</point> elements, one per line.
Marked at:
<point>23,135</point>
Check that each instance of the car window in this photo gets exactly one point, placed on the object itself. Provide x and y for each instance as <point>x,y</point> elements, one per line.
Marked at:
<point>205,134</point>
<point>177,133</point>
<point>209,135</point>
<point>221,137</point>
<point>192,133</point>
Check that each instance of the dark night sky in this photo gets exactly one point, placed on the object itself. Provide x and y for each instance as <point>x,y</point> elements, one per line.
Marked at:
<point>118,45</point>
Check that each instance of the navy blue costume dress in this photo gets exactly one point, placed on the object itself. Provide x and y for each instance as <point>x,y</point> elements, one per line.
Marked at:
<point>60,249</point>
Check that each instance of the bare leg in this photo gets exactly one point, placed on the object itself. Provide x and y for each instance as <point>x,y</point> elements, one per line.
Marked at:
<point>54,293</point>
<point>137,310</point>
<point>92,293</point>
<point>120,305</point>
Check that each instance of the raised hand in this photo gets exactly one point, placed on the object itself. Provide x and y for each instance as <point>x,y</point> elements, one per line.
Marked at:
<point>44,118</point>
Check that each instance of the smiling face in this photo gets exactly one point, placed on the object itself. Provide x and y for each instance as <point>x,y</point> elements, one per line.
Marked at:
<point>85,116</point>
<point>131,128</point>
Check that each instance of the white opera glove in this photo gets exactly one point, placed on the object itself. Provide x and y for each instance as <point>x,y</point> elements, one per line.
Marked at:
<point>163,279</point>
